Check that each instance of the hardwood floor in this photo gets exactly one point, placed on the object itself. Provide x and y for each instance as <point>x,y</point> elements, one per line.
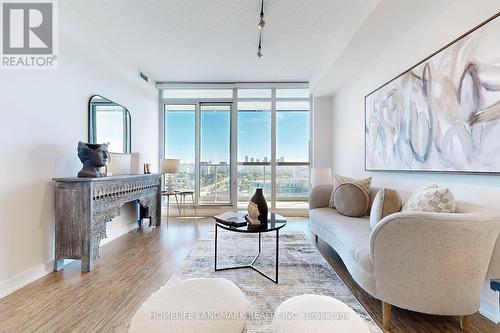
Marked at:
<point>135,265</point>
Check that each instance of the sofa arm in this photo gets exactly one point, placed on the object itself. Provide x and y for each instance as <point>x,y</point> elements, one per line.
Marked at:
<point>432,262</point>
<point>319,196</point>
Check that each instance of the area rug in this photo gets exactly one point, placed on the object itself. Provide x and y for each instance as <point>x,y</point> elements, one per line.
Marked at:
<point>302,270</point>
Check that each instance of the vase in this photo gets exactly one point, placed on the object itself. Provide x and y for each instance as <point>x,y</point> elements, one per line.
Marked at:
<point>260,201</point>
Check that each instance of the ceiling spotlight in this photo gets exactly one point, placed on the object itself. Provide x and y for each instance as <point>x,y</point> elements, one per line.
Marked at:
<point>261,23</point>
<point>259,52</point>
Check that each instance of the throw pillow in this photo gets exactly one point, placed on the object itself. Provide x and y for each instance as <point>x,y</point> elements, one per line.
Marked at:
<point>386,202</point>
<point>351,199</point>
<point>339,180</point>
<point>433,199</point>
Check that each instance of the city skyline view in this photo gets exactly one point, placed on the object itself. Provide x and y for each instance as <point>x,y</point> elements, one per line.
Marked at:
<point>254,136</point>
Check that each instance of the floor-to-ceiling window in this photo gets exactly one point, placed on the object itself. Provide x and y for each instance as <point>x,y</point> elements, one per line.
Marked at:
<point>179,138</point>
<point>292,148</point>
<point>215,153</point>
<point>233,139</point>
<point>254,144</point>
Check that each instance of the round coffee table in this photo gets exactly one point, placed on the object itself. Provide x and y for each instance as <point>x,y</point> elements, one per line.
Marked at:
<point>274,223</point>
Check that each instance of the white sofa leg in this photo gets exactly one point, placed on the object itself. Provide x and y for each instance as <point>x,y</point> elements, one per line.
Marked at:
<point>465,322</point>
<point>386,315</point>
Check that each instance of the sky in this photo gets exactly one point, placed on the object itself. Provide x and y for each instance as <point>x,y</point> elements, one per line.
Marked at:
<point>254,136</point>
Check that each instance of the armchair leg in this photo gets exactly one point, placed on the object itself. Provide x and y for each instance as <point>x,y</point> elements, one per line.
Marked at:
<point>465,322</point>
<point>316,238</point>
<point>386,315</point>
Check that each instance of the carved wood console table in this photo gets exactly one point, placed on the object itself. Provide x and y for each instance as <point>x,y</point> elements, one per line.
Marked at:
<point>85,205</point>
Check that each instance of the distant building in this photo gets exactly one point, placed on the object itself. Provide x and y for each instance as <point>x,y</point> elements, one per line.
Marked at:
<point>285,188</point>
<point>204,168</point>
<point>257,160</point>
<point>252,159</point>
<point>265,158</point>
<point>246,158</point>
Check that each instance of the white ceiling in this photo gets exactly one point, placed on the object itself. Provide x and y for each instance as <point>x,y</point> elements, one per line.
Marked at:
<point>216,40</point>
<point>388,24</point>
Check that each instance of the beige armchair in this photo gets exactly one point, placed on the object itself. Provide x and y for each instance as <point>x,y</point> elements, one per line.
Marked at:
<point>432,263</point>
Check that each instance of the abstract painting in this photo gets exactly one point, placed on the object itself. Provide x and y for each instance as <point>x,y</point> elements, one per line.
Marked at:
<point>443,114</point>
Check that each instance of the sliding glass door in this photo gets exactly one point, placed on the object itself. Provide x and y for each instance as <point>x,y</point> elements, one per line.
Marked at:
<point>215,154</point>
<point>199,135</point>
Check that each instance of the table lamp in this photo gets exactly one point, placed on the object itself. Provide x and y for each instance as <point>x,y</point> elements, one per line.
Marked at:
<point>170,166</point>
<point>119,164</point>
<point>321,176</point>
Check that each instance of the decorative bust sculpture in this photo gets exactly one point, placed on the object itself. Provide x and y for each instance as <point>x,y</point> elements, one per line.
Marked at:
<point>253,213</point>
<point>93,157</point>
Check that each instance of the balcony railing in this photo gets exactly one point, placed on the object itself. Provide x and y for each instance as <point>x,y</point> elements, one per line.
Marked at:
<point>215,183</point>
<point>292,183</point>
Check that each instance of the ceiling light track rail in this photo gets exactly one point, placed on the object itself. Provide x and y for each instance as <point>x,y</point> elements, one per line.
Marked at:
<point>260,26</point>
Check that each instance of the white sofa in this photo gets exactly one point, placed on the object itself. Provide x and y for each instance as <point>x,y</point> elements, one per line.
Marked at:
<point>432,263</point>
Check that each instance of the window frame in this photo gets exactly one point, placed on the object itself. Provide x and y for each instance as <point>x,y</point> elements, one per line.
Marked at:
<point>273,163</point>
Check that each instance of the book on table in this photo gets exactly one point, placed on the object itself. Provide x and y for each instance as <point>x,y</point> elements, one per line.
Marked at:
<point>232,219</point>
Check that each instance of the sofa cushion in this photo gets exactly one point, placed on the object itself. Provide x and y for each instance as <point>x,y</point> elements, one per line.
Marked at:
<point>432,199</point>
<point>386,202</point>
<point>351,199</point>
<point>338,180</point>
<point>352,232</point>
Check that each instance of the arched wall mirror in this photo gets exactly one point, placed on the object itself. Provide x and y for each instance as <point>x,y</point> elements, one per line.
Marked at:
<point>109,122</point>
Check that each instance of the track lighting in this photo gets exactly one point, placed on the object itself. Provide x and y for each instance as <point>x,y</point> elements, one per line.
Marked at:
<point>261,26</point>
<point>261,23</point>
<point>259,52</point>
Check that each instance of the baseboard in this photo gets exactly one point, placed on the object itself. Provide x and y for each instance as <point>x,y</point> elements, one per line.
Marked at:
<point>490,310</point>
<point>23,279</point>
<point>122,231</point>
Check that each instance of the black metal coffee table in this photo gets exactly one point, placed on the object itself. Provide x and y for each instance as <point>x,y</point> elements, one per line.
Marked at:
<point>275,223</point>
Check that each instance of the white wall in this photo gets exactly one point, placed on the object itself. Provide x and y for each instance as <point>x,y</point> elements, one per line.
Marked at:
<point>321,132</point>
<point>44,115</point>
<point>413,44</point>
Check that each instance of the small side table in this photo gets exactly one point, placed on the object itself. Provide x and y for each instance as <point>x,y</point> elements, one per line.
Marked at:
<point>183,195</point>
<point>168,194</point>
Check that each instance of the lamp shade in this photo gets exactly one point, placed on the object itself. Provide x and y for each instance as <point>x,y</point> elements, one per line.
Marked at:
<point>119,164</point>
<point>170,165</point>
<point>136,163</point>
<point>321,176</point>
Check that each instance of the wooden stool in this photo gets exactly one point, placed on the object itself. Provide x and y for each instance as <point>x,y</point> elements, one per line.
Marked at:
<point>183,195</point>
